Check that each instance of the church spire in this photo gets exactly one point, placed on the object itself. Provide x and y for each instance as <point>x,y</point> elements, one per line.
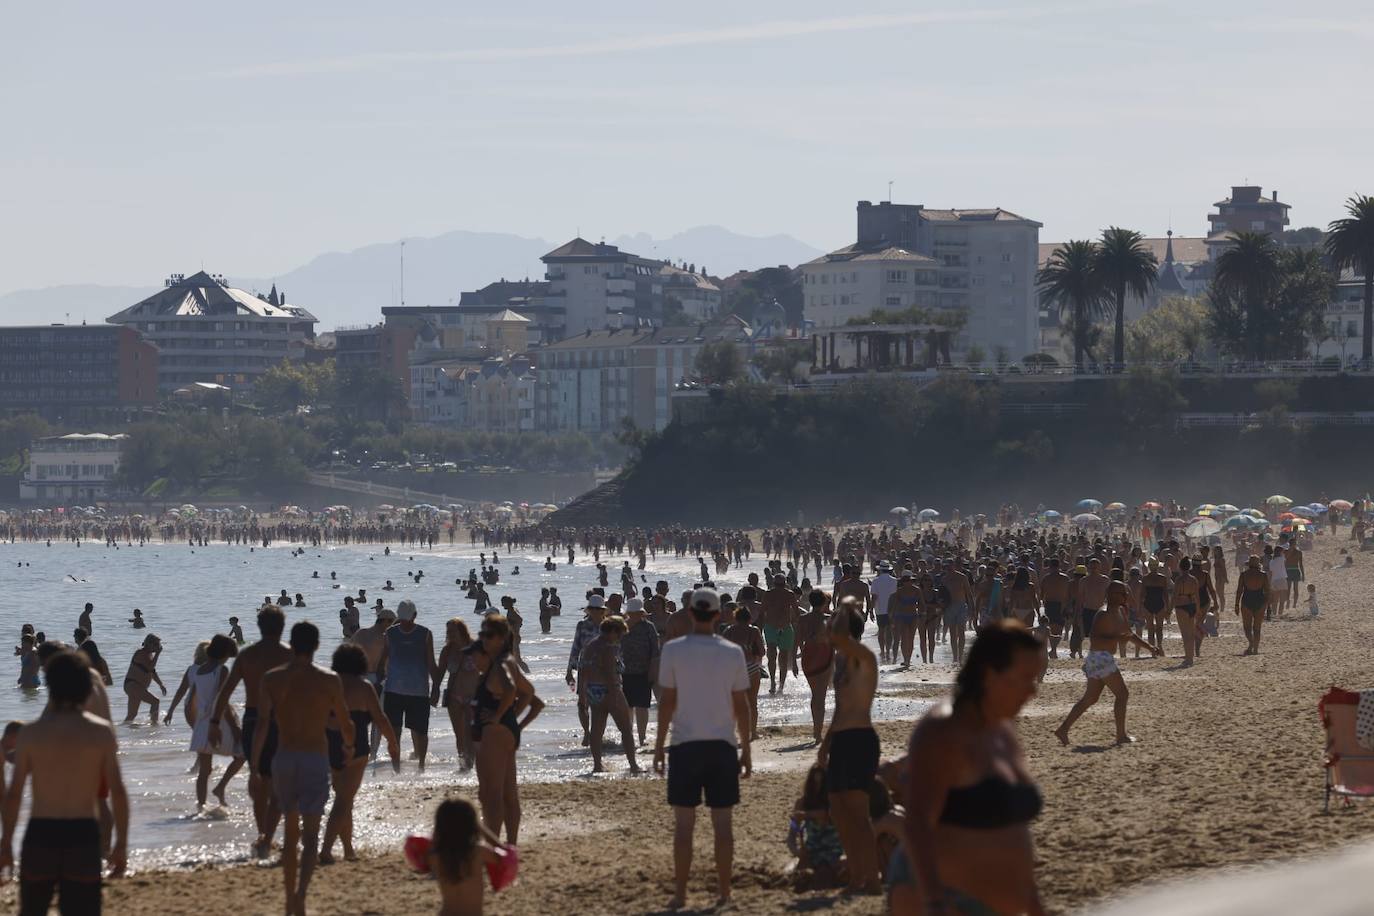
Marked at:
<point>1169,248</point>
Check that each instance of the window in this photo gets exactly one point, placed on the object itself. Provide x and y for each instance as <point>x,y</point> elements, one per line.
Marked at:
<point>894,300</point>
<point>1257,225</point>
<point>825,279</point>
<point>1008,279</point>
<point>1007,257</point>
<point>854,276</point>
<point>896,276</point>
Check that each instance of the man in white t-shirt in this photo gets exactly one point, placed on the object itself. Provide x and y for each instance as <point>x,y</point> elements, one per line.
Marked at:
<point>705,698</point>
<point>882,588</point>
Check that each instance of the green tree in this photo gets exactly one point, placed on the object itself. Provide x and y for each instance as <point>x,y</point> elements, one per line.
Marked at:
<point>762,287</point>
<point>783,363</point>
<point>1266,302</point>
<point>975,355</point>
<point>1070,282</point>
<point>1174,330</point>
<point>1124,264</point>
<point>1350,245</point>
<point>366,392</point>
<point>719,362</point>
<point>288,385</point>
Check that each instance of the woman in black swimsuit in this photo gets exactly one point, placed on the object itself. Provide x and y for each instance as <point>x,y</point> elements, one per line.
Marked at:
<point>346,773</point>
<point>1252,597</point>
<point>503,693</point>
<point>141,675</point>
<point>970,798</point>
<point>1154,597</point>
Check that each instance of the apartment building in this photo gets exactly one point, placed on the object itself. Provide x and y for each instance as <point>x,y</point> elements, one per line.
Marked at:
<point>208,331</point>
<point>69,373</point>
<point>597,380</point>
<point>980,262</point>
<point>78,467</point>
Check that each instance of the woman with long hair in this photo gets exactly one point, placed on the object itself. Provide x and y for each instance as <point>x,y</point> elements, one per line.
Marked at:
<point>970,798</point>
<point>227,739</point>
<point>346,772</point>
<point>502,694</point>
<point>456,661</point>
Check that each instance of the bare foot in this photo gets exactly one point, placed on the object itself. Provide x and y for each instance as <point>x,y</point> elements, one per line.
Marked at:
<point>676,903</point>
<point>350,855</point>
<point>598,768</point>
<point>326,857</point>
<point>218,792</point>
<point>1062,734</point>
<point>635,769</point>
<point>1125,739</point>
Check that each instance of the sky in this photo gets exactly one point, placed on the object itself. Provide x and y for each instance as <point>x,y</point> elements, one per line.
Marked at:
<point>149,138</point>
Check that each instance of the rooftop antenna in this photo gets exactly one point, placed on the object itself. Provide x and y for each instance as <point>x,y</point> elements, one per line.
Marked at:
<point>889,192</point>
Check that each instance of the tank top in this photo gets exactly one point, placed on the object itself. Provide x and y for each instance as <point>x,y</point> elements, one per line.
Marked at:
<point>407,671</point>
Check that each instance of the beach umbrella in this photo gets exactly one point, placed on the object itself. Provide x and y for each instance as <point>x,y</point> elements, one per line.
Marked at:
<point>1089,505</point>
<point>1253,513</point>
<point>1202,527</point>
<point>1151,505</point>
<point>1236,522</point>
<point>1344,505</point>
<point>899,510</point>
<point>1086,520</point>
<point>1278,501</point>
<point>1205,509</point>
<point>1226,507</point>
<point>1287,517</point>
<point>927,515</point>
<point>1052,514</point>
<point>386,507</point>
<point>1115,507</point>
<point>1174,523</point>
<point>1317,508</point>
<point>1304,511</point>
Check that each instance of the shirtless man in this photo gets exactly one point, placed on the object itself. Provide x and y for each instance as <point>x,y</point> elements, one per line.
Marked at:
<point>70,755</point>
<point>957,611</point>
<point>1091,595</point>
<point>679,621</point>
<point>851,586</point>
<point>1186,601</point>
<point>249,667</point>
<point>302,697</point>
<point>1108,628</point>
<point>779,631</point>
<point>817,657</point>
<point>1296,570</point>
<point>1054,592</point>
<point>1252,597</point>
<point>850,751</point>
<point>907,610</point>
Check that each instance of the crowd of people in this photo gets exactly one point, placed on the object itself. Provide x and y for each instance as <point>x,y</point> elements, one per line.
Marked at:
<point>943,825</point>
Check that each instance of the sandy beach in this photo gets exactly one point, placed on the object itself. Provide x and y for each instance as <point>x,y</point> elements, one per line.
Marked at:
<point>1226,772</point>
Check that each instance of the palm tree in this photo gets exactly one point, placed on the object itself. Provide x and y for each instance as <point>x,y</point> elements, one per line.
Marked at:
<point>1350,244</point>
<point>1250,272</point>
<point>1070,282</point>
<point>1124,263</point>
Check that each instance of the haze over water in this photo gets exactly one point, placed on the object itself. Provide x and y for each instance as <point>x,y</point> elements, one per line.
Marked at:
<point>187,594</point>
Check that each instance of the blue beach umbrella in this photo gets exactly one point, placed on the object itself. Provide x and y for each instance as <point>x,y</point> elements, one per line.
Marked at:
<point>1089,505</point>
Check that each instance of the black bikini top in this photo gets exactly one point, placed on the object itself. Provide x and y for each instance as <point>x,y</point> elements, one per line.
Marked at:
<point>991,804</point>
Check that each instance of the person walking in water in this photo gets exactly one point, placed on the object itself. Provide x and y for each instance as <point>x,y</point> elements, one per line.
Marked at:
<point>408,656</point>
<point>301,697</point>
<point>141,675</point>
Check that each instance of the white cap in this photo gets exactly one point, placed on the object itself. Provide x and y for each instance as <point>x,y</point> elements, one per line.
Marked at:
<point>707,596</point>
<point>406,610</point>
<point>596,601</point>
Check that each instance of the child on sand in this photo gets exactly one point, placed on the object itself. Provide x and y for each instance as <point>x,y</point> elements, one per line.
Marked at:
<point>459,849</point>
<point>1312,601</point>
<point>812,836</point>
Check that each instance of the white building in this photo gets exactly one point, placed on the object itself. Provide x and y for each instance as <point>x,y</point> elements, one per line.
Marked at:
<point>981,262</point>
<point>76,468</point>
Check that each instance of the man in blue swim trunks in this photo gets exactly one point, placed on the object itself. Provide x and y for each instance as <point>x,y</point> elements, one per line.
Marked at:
<point>779,631</point>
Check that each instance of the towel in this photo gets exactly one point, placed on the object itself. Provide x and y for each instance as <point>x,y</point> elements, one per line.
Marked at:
<point>1364,720</point>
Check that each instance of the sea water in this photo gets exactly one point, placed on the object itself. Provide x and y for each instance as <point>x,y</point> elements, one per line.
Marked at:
<point>187,594</point>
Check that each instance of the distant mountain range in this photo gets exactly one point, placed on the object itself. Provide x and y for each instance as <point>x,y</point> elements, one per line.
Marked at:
<point>350,288</point>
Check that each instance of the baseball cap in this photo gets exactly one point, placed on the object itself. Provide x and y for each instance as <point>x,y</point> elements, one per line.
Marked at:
<point>406,610</point>
<point>634,606</point>
<point>884,566</point>
<point>708,597</point>
<point>596,601</point>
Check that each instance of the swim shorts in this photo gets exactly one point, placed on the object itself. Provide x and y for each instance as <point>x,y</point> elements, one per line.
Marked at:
<point>596,694</point>
<point>782,637</point>
<point>406,711</point>
<point>1054,610</point>
<point>300,780</point>
<point>638,692</point>
<point>956,615</point>
<point>703,767</point>
<point>853,760</point>
<point>60,852</point>
<point>269,746</point>
<point>1099,664</point>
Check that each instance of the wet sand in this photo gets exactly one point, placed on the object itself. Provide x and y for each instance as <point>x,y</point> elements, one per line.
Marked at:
<point>1226,772</point>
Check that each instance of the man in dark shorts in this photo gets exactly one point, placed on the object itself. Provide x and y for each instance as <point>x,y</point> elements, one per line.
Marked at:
<point>705,699</point>
<point>410,669</point>
<point>850,751</point>
<point>1054,591</point>
<point>639,650</point>
<point>249,666</point>
<point>300,697</point>
<point>70,755</point>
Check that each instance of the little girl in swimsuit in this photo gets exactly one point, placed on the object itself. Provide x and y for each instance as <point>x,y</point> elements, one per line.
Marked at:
<point>459,849</point>
<point>812,836</point>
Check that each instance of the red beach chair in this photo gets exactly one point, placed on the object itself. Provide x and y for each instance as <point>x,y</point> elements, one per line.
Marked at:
<point>1349,767</point>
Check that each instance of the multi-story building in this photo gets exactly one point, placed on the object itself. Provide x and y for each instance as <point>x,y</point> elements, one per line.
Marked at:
<point>501,396</point>
<point>978,262</point>
<point>528,298</point>
<point>208,331</point>
<point>76,372</point>
<point>1344,327</point>
<point>596,380</point>
<point>1248,210</point>
<point>74,468</point>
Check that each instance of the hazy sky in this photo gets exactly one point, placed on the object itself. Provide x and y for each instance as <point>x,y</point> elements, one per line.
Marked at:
<point>141,139</point>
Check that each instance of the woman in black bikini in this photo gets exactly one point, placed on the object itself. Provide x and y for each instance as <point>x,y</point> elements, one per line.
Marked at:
<point>141,675</point>
<point>346,773</point>
<point>502,694</point>
<point>970,798</point>
<point>1252,597</point>
<point>1186,602</point>
<point>1154,597</point>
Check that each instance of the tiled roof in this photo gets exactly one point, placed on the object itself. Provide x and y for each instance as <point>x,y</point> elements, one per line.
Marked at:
<point>201,294</point>
<point>989,213</point>
<point>1186,250</point>
<point>857,252</point>
<point>581,248</point>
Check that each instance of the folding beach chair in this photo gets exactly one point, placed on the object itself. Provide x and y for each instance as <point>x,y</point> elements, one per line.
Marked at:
<point>1349,767</point>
